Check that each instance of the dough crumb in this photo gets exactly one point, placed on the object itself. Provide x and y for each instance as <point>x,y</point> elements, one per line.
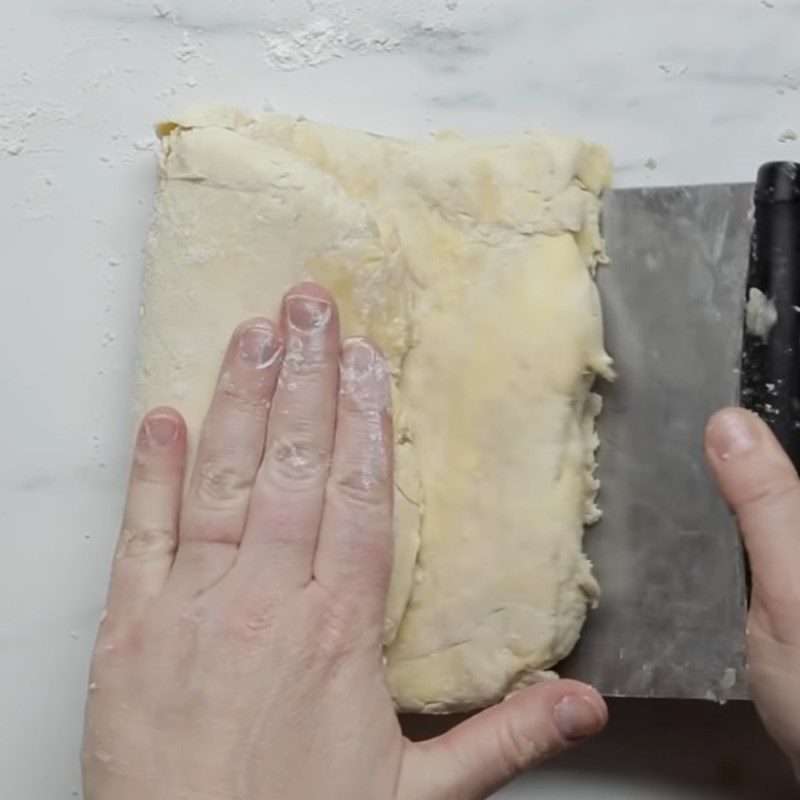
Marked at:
<point>727,682</point>
<point>787,135</point>
<point>651,163</point>
<point>760,314</point>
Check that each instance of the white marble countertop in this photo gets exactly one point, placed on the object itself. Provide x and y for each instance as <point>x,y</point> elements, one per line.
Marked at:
<point>699,90</point>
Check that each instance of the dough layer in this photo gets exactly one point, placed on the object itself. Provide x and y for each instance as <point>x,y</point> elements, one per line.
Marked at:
<point>470,263</point>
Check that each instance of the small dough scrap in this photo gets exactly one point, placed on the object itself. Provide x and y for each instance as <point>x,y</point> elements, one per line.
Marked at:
<point>760,314</point>
<point>470,263</point>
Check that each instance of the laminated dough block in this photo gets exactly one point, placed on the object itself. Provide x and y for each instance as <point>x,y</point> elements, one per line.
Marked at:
<point>470,262</point>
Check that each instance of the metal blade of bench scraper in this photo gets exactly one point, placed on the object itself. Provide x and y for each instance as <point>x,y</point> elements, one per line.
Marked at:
<point>671,619</point>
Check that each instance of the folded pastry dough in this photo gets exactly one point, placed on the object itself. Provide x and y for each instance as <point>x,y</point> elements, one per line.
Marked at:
<point>470,263</point>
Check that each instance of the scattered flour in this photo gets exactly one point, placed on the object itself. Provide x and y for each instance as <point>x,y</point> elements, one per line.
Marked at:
<point>317,42</point>
<point>339,29</point>
<point>18,124</point>
<point>187,49</point>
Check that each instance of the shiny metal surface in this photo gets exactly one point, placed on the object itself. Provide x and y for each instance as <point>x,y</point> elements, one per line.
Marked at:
<point>671,619</point>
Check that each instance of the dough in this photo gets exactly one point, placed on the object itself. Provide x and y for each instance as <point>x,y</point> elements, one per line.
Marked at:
<point>760,314</point>
<point>470,263</point>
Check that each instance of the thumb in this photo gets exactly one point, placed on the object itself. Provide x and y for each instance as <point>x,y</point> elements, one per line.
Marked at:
<point>761,485</point>
<point>488,750</point>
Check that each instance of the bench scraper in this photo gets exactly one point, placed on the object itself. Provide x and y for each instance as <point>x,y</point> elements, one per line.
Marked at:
<point>671,619</point>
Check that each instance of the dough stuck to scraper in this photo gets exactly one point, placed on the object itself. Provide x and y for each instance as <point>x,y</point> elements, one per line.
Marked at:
<point>470,263</point>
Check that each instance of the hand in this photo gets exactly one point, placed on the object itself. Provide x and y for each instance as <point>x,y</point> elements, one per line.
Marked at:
<point>241,654</point>
<point>760,484</point>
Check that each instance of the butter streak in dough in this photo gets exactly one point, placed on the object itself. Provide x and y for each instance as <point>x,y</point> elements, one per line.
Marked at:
<point>469,263</point>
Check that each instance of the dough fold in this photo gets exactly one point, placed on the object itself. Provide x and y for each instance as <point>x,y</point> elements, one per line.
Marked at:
<point>470,262</point>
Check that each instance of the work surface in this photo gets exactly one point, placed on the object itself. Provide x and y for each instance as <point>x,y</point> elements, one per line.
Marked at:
<point>682,91</point>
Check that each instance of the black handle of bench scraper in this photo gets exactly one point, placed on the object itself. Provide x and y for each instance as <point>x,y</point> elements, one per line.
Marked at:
<point>770,382</point>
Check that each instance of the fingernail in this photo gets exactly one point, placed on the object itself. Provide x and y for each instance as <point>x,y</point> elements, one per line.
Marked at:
<point>358,357</point>
<point>307,314</point>
<point>161,431</point>
<point>363,376</point>
<point>732,433</point>
<point>259,346</point>
<point>577,717</point>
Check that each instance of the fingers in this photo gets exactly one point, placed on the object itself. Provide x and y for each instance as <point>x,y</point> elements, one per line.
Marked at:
<point>150,525</point>
<point>355,542</point>
<point>488,750</point>
<point>286,506</point>
<point>760,484</point>
<point>228,455</point>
